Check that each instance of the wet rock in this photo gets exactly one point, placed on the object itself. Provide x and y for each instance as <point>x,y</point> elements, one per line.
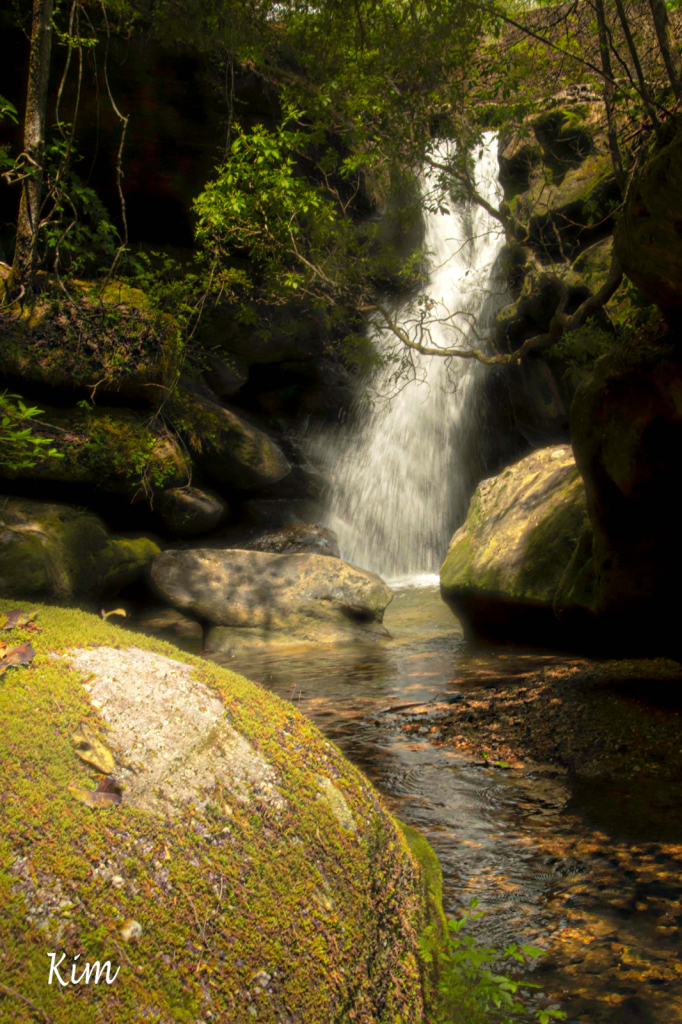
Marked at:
<point>505,564</point>
<point>297,538</point>
<point>300,594</point>
<point>60,552</point>
<point>235,808</point>
<point>188,511</point>
<point>226,447</point>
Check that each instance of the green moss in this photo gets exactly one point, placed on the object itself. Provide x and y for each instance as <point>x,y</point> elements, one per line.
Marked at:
<point>332,916</point>
<point>550,545</point>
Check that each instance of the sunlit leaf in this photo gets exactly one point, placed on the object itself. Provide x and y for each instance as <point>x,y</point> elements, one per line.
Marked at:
<point>107,794</point>
<point>92,750</point>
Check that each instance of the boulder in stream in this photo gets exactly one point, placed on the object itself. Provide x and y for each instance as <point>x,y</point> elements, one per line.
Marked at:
<point>505,565</point>
<point>231,860</point>
<point>259,596</point>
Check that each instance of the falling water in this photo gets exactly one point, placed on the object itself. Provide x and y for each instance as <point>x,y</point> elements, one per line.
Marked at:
<point>402,481</point>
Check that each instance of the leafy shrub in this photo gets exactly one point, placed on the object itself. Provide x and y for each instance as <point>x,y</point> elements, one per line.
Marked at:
<point>20,448</point>
<point>469,991</point>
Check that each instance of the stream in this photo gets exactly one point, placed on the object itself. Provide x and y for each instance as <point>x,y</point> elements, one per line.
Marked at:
<point>593,875</point>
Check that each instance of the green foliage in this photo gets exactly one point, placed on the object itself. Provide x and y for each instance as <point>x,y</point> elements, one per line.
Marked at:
<point>20,448</point>
<point>470,991</point>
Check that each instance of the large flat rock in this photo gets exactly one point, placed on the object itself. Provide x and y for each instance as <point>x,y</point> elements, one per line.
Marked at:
<point>265,591</point>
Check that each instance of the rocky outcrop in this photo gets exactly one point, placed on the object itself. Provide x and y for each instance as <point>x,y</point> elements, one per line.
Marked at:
<point>626,423</point>
<point>236,861</point>
<point>648,237</point>
<point>226,448</point>
<point>58,552</point>
<point>505,564</point>
<point>254,595</point>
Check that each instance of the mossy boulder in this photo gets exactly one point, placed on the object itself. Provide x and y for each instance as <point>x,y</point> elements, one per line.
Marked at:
<point>227,448</point>
<point>113,343</point>
<point>249,871</point>
<point>65,553</point>
<point>505,564</point>
<point>626,424</point>
<point>648,237</point>
<point>117,450</point>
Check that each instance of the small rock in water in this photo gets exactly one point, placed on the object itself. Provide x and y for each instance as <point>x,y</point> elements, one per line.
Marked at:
<point>450,698</point>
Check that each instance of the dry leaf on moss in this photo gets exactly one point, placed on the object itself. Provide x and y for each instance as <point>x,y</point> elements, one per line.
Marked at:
<point>107,794</point>
<point>92,750</point>
<point>9,620</point>
<point>22,654</point>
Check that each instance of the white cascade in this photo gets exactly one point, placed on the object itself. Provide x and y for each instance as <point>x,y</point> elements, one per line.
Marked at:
<point>402,481</point>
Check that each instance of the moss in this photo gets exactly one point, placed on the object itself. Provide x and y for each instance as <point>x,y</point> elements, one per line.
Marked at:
<point>222,894</point>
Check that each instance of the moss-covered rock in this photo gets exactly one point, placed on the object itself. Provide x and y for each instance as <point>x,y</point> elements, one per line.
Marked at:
<point>118,450</point>
<point>113,343</point>
<point>648,237</point>
<point>249,872</point>
<point>226,447</point>
<point>505,564</point>
<point>65,553</point>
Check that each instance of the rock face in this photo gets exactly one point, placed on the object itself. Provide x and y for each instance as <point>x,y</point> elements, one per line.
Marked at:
<point>188,511</point>
<point>60,552</point>
<point>626,423</point>
<point>505,564</point>
<point>243,842</point>
<point>307,596</point>
<point>227,448</point>
<point>298,538</point>
<point>648,238</point>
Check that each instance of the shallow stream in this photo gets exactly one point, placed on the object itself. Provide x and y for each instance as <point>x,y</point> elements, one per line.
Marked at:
<point>592,873</point>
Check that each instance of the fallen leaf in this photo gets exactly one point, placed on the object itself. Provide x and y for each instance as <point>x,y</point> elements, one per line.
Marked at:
<point>9,620</point>
<point>92,750</point>
<point>107,794</point>
<point>115,611</point>
<point>22,654</point>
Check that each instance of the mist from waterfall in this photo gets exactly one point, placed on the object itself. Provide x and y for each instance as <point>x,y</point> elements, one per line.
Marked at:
<point>401,482</point>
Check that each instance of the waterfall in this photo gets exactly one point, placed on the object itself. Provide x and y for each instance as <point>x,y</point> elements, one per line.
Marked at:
<point>402,481</point>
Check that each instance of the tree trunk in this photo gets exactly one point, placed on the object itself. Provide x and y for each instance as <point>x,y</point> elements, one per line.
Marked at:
<point>632,47</point>
<point>34,145</point>
<point>667,44</point>
<point>611,128</point>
